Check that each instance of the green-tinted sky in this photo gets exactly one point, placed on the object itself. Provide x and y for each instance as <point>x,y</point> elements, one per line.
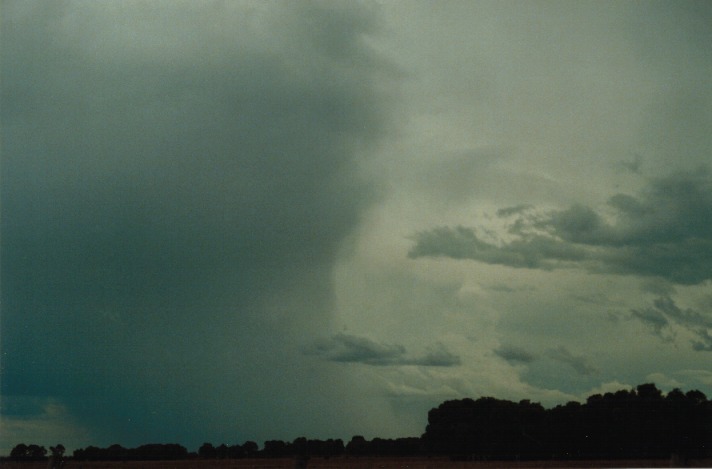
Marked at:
<point>231,221</point>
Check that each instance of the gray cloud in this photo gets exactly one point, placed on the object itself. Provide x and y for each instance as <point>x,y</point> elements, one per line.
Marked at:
<point>463,243</point>
<point>664,232</point>
<point>578,362</point>
<point>349,348</point>
<point>664,313</point>
<point>354,349</point>
<point>670,210</point>
<point>437,355</point>
<point>634,165</point>
<point>514,354</point>
<point>174,173</point>
<point>515,210</point>
<point>577,224</point>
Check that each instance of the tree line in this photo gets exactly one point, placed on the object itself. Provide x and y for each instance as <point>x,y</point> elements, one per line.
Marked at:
<point>149,452</point>
<point>23,452</point>
<point>637,423</point>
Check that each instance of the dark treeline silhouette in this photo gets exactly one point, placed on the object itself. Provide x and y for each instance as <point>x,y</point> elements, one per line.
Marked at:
<point>641,423</point>
<point>301,447</point>
<point>23,452</point>
<point>150,452</point>
<point>248,450</point>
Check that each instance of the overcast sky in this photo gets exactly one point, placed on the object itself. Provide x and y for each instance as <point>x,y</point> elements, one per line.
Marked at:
<point>231,221</point>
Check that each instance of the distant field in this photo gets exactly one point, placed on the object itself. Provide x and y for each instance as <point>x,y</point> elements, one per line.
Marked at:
<point>354,463</point>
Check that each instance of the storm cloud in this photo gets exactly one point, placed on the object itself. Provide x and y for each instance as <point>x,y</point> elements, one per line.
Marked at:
<point>561,354</point>
<point>664,315</point>
<point>665,231</point>
<point>176,183</point>
<point>578,362</point>
<point>347,348</point>
<point>230,221</point>
<point>514,354</point>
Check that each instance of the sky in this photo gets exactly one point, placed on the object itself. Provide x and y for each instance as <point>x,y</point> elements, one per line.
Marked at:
<point>226,221</point>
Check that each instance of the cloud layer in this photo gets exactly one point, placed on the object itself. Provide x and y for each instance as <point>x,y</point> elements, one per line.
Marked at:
<point>665,231</point>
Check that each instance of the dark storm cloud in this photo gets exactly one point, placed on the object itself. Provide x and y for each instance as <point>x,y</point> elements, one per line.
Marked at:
<point>176,182</point>
<point>578,224</point>
<point>463,243</point>
<point>670,209</point>
<point>665,231</point>
<point>664,313</point>
<point>354,349</point>
<point>514,354</point>
<point>349,348</point>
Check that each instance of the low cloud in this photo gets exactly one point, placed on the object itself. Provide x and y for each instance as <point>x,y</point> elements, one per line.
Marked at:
<point>664,232</point>
<point>579,363</point>
<point>437,355</point>
<point>346,348</point>
<point>535,252</point>
<point>664,314</point>
<point>514,354</point>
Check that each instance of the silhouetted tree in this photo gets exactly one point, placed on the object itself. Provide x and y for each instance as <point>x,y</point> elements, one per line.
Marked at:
<point>19,451</point>
<point>90,453</point>
<point>159,452</point>
<point>36,452</point>
<point>358,446</point>
<point>276,449</point>
<point>116,452</point>
<point>300,446</point>
<point>56,460</point>
<point>234,452</point>
<point>222,451</point>
<point>333,448</point>
<point>149,452</point>
<point>638,423</point>
<point>28,452</point>
<point>207,451</point>
<point>250,449</point>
